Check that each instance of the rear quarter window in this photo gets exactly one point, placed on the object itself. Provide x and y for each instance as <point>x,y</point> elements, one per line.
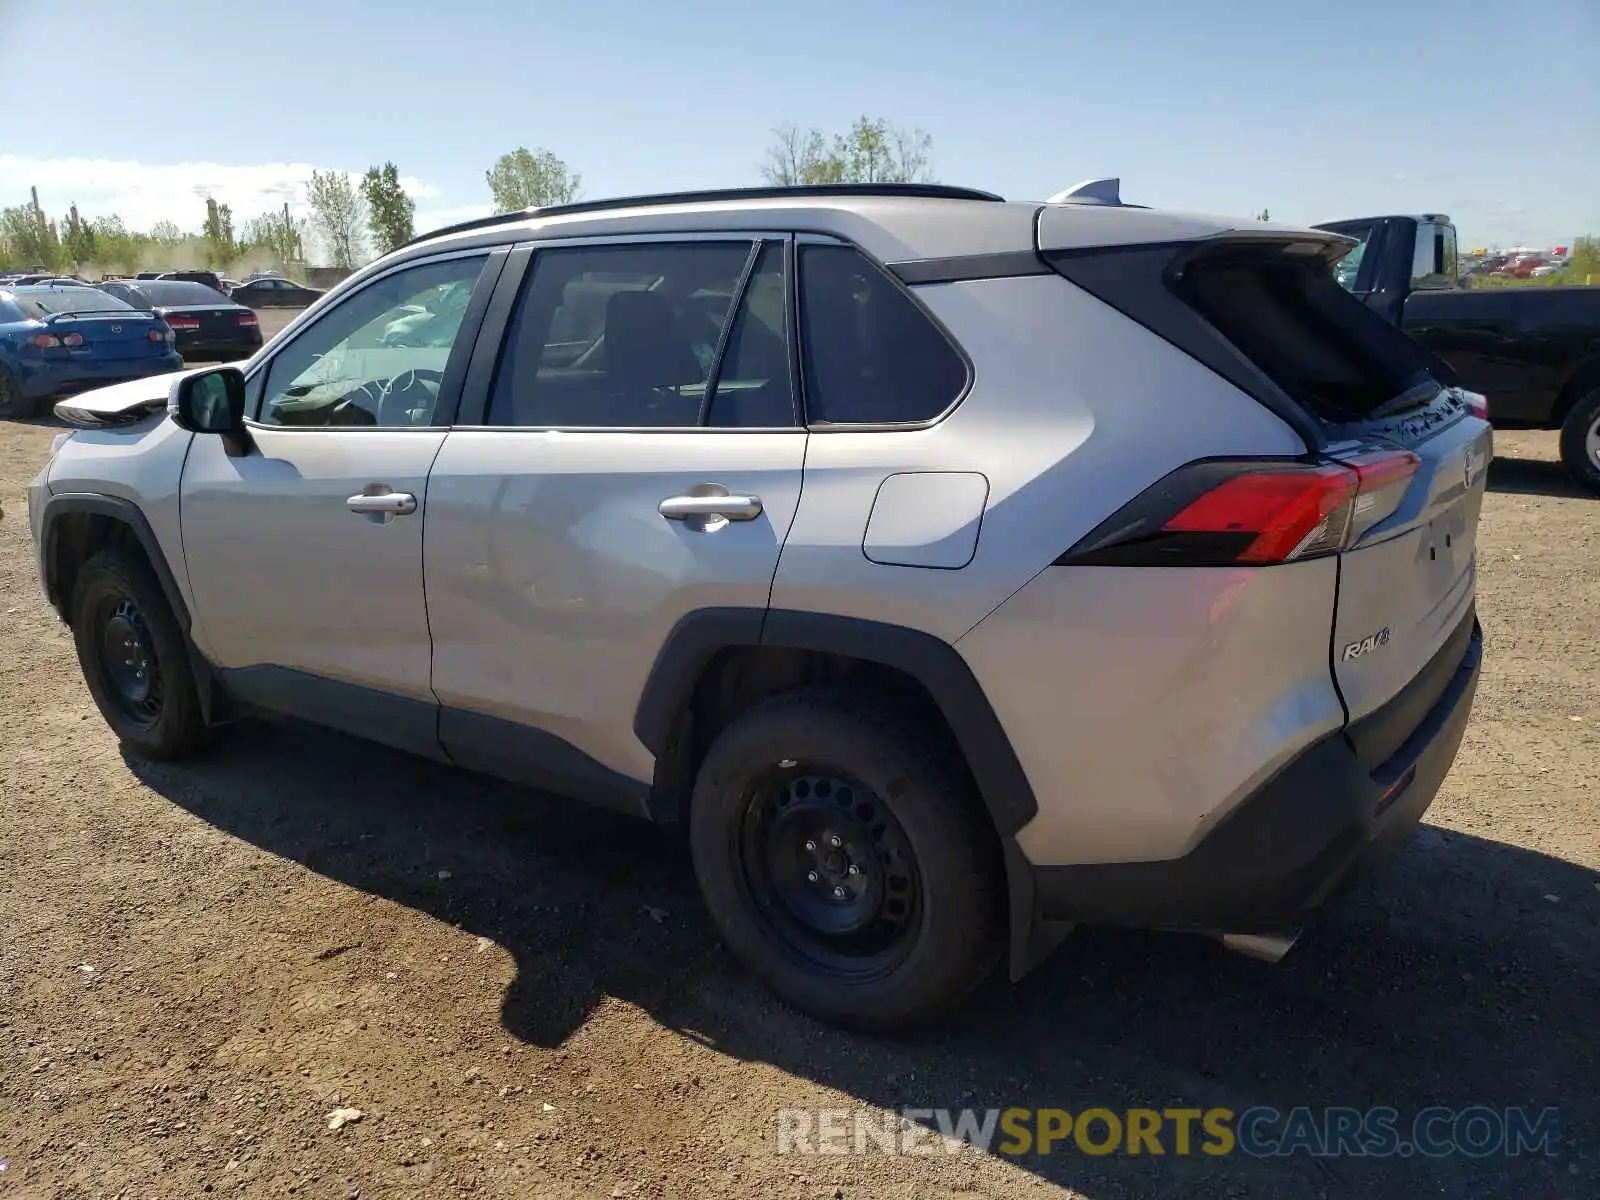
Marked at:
<point>869,354</point>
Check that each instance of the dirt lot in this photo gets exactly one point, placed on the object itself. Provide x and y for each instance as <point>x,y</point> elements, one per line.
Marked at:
<point>199,962</point>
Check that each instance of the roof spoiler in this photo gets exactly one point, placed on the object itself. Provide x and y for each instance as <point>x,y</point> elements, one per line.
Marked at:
<point>1106,192</point>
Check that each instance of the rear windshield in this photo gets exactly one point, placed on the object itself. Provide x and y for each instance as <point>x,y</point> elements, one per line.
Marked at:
<point>42,303</point>
<point>1290,317</point>
<point>178,292</point>
<point>9,312</point>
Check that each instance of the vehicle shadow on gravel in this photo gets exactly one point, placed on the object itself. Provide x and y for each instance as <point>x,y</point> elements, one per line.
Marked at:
<point>1466,974</point>
<point>1535,477</point>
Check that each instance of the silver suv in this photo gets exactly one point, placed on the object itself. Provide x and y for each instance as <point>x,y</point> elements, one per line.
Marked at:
<point>958,570</point>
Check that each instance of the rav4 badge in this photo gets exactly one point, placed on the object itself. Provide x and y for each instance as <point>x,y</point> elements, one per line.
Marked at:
<point>1366,645</point>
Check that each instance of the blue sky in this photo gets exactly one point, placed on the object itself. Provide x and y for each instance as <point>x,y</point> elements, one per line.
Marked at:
<point>1486,110</point>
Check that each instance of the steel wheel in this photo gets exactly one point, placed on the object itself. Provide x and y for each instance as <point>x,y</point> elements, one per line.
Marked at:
<point>1591,443</point>
<point>830,871</point>
<point>128,662</point>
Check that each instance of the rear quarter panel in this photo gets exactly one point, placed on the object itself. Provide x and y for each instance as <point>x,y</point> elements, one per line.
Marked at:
<point>1073,410</point>
<point>1145,703</point>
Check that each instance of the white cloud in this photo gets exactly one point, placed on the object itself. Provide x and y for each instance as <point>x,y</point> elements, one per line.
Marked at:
<point>144,193</point>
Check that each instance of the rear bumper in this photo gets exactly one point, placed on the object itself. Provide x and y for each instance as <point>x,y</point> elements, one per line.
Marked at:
<point>217,350</point>
<point>1288,846</point>
<point>41,380</point>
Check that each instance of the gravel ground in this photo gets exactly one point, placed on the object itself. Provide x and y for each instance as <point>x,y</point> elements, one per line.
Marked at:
<point>200,962</point>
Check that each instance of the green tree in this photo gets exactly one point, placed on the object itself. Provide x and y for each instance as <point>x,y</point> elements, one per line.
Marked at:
<point>221,249</point>
<point>338,214</point>
<point>1583,262</point>
<point>871,151</point>
<point>391,213</point>
<point>77,239</point>
<point>114,245</point>
<point>279,232</point>
<point>30,240</point>
<point>524,179</point>
<point>166,232</point>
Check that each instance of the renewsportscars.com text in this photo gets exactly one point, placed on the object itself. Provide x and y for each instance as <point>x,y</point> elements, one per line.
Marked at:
<point>1477,1131</point>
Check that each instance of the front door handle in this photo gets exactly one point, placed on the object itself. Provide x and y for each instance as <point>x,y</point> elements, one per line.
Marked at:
<point>730,508</point>
<point>383,504</point>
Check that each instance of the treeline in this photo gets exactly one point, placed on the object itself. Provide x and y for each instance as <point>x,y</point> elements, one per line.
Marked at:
<point>356,218</point>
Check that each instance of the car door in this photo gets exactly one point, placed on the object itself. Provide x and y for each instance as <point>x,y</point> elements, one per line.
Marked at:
<point>639,458</point>
<point>305,551</point>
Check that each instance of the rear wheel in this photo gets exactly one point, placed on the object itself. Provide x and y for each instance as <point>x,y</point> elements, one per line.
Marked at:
<point>13,403</point>
<point>134,656</point>
<point>844,862</point>
<point>1580,440</point>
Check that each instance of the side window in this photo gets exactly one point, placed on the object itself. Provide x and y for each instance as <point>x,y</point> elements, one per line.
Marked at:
<point>869,354</point>
<point>1347,271</point>
<point>1428,263</point>
<point>621,336</point>
<point>376,359</point>
<point>753,389</point>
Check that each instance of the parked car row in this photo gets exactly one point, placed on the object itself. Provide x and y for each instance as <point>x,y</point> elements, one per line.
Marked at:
<point>258,290</point>
<point>63,336</point>
<point>57,340</point>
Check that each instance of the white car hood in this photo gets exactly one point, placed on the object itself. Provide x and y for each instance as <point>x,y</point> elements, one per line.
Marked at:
<point>121,402</point>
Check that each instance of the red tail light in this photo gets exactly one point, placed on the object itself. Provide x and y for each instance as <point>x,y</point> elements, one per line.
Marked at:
<point>1477,405</point>
<point>184,322</point>
<point>44,341</point>
<point>249,318</point>
<point>1250,513</point>
<point>159,335</point>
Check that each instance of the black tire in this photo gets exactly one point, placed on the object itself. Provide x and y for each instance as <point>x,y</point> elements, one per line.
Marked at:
<point>906,811</point>
<point>1580,440</point>
<point>126,635</point>
<point>13,404</point>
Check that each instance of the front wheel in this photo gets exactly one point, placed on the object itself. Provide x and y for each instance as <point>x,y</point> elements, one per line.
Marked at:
<point>1580,440</point>
<point>135,657</point>
<point>845,862</point>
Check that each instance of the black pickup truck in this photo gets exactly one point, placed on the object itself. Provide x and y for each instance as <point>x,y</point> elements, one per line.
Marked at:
<point>1534,352</point>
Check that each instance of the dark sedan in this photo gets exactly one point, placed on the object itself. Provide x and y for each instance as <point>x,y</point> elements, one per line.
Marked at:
<point>272,292</point>
<point>208,327</point>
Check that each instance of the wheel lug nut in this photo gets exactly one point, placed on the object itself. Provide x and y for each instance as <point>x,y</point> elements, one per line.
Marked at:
<point>811,876</point>
<point>838,893</point>
<point>810,845</point>
<point>836,841</point>
<point>854,870</point>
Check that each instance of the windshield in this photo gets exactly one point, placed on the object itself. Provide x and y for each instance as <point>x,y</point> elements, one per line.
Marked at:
<point>177,292</point>
<point>45,302</point>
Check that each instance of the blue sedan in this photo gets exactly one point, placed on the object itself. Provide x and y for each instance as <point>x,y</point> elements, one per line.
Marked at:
<point>58,340</point>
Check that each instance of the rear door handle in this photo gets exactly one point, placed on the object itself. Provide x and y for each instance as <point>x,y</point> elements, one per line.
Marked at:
<point>731,508</point>
<point>384,504</point>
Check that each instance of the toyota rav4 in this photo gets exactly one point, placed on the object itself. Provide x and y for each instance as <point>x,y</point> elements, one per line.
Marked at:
<point>957,570</point>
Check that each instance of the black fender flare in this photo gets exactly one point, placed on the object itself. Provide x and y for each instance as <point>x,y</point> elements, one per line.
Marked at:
<point>937,665</point>
<point>214,703</point>
<point>117,509</point>
<point>934,663</point>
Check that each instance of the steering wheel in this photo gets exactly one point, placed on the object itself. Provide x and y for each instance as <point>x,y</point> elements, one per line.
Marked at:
<point>408,393</point>
<point>390,402</point>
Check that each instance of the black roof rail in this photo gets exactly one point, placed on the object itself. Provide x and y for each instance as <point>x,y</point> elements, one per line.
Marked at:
<point>930,191</point>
